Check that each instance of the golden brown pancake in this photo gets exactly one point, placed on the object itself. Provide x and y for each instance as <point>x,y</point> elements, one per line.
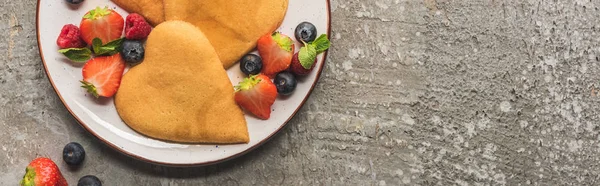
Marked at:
<point>180,92</point>
<point>152,10</point>
<point>232,26</point>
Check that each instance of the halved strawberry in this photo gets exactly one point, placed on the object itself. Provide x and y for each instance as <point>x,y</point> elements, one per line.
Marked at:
<point>276,51</point>
<point>256,94</point>
<point>103,23</point>
<point>102,75</point>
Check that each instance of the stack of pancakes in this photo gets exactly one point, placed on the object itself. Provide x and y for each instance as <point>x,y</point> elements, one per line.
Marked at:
<point>181,91</point>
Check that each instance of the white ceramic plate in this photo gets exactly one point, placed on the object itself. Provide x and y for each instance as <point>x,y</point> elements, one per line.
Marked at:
<point>100,117</point>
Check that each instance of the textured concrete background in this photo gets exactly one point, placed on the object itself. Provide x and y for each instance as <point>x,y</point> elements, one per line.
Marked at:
<point>431,92</point>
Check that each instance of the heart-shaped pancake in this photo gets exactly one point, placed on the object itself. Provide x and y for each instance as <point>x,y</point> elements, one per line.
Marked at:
<point>232,26</point>
<point>152,10</point>
<point>180,92</point>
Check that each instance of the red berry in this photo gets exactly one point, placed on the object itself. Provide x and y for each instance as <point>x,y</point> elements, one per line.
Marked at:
<point>136,27</point>
<point>102,23</point>
<point>298,69</point>
<point>276,51</point>
<point>70,37</point>
<point>43,171</point>
<point>102,75</point>
<point>256,94</point>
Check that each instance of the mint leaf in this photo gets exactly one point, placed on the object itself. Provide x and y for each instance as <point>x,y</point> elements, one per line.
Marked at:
<point>79,55</point>
<point>307,56</point>
<point>96,43</point>
<point>109,48</point>
<point>321,43</point>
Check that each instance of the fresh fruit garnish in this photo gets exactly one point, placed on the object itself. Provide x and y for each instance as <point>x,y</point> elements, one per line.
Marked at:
<point>70,37</point>
<point>132,51</point>
<point>305,32</point>
<point>89,180</point>
<point>251,64</point>
<point>73,153</point>
<point>80,55</point>
<point>43,171</point>
<point>108,49</point>
<point>102,75</point>
<point>285,83</point>
<point>74,1</point>
<point>102,23</point>
<point>276,51</point>
<point>136,27</point>
<point>256,94</point>
<point>304,61</point>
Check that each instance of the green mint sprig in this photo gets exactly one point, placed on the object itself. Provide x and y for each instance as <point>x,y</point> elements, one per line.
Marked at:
<point>309,52</point>
<point>109,48</point>
<point>79,55</point>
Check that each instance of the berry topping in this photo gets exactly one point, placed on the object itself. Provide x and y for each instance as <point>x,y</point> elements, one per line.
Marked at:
<point>73,154</point>
<point>276,51</point>
<point>285,83</point>
<point>102,75</point>
<point>256,94</point>
<point>70,37</point>
<point>136,27</point>
<point>304,61</point>
<point>102,23</point>
<point>251,64</point>
<point>132,51</point>
<point>298,69</point>
<point>305,32</point>
<point>89,180</point>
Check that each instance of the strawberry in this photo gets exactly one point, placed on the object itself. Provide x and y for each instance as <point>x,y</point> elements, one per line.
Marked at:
<point>276,51</point>
<point>298,69</point>
<point>43,172</point>
<point>256,94</point>
<point>102,75</point>
<point>304,61</point>
<point>102,23</point>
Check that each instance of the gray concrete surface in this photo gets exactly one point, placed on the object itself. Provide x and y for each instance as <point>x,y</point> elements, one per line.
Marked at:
<point>432,92</point>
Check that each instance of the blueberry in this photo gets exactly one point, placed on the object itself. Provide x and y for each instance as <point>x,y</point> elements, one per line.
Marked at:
<point>285,83</point>
<point>74,1</point>
<point>73,153</point>
<point>251,64</point>
<point>132,51</point>
<point>306,32</point>
<point>89,180</point>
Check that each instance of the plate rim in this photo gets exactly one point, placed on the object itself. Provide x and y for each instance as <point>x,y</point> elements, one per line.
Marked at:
<point>227,158</point>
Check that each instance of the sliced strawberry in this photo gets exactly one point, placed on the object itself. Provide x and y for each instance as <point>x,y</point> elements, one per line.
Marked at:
<point>276,51</point>
<point>102,75</point>
<point>256,94</point>
<point>103,23</point>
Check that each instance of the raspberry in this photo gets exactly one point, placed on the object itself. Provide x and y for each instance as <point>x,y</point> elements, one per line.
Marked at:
<point>136,27</point>
<point>70,37</point>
